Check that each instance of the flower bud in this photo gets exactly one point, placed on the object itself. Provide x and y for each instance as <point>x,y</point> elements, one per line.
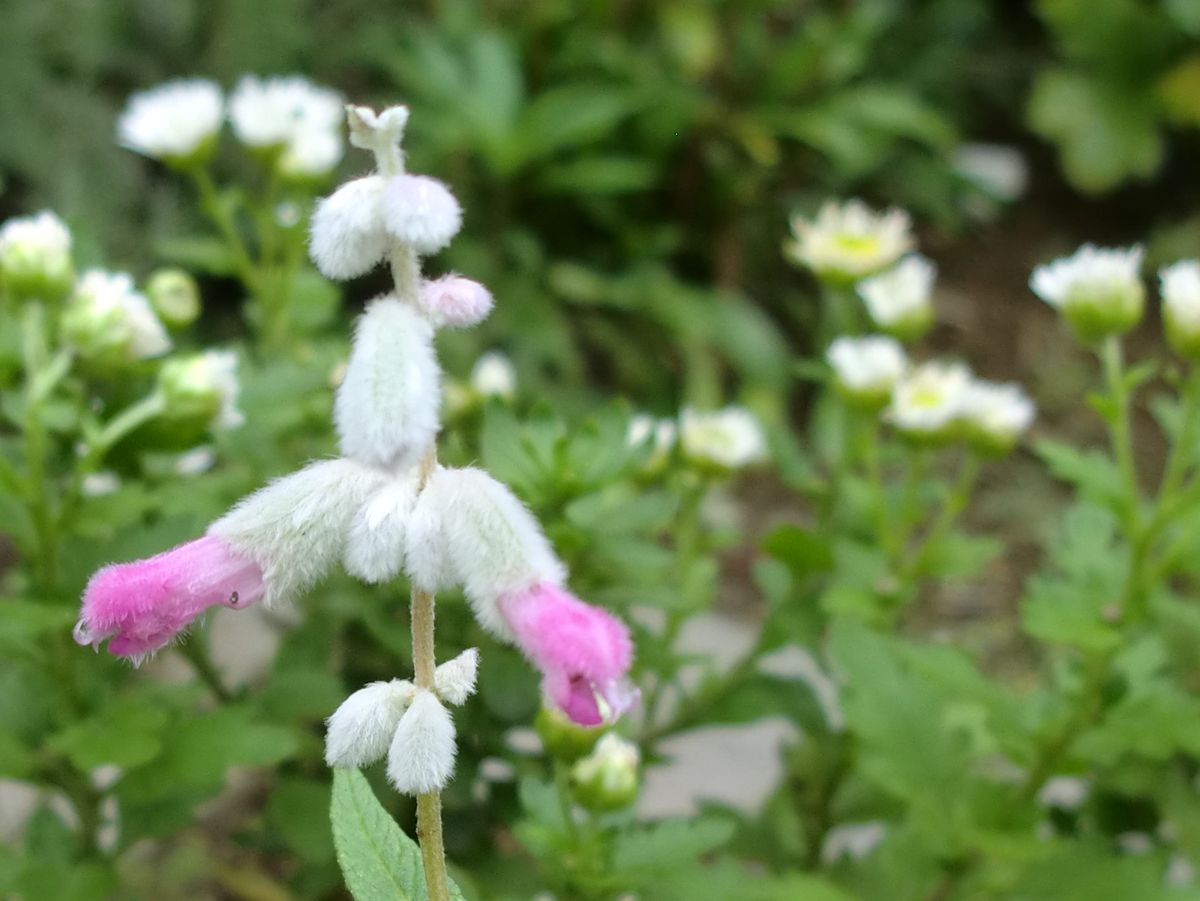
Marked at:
<point>35,257</point>
<point>607,779</point>
<point>176,122</point>
<point>562,738</point>
<point>867,369</point>
<point>995,416</point>
<point>722,440</point>
<point>421,756</point>
<point>1097,290</point>
<point>660,434</point>
<point>110,324</point>
<point>360,731</point>
<point>175,297</point>
<point>202,387</point>
<point>348,238</point>
<point>494,376</point>
<point>900,300</point>
<point>421,212</point>
<point>1181,307</point>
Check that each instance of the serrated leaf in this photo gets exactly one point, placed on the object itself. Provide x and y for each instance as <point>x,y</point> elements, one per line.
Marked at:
<point>378,861</point>
<point>1093,472</point>
<point>127,734</point>
<point>668,844</point>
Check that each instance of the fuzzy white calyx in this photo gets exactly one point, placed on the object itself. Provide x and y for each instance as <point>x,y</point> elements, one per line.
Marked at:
<point>375,545</point>
<point>421,212</point>
<point>347,237</point>
<point>455,679</point>
<point>387,407</point>
<point>360,731</point>
<point>421,757</point>
<point>469,530</point>
<point>295,528</point>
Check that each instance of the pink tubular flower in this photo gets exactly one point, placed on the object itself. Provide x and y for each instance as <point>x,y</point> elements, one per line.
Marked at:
<point>142,605</point>
<point>456,301</point>
<point>583,651</point>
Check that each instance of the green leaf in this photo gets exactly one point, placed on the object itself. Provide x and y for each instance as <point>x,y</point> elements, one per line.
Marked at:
<point>803,551</point>
<point>1106,131</point>
<point>297,811</point>
<point>379,862</point>
<point>571,116</point>
<point>1092,472</point>
<point>669,844</point>
<point>128,734</point>
<point>200,253</point>
<point>600,175</point>
<point>23,623</point>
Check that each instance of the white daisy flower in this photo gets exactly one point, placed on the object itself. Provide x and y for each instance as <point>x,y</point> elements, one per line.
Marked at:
<point>1097,289</point>
<point>867,369</point>
<point>107,320</point>
<point>725,439</point>
<point>900,300</point>
<point>849,241</point>
<point>929,400</point>
<point>996,414</point>
<point>176,122</point>
<point>35,256</point>
<point>1180,285</point>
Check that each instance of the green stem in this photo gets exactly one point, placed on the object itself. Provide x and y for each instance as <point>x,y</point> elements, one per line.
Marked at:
<point>953,506</point>
<point>197,656</point>
<point>1183,448</point>
<point>222,218</point>
<point>1121,433</point>
<point>562,785</point>
<point>879,501</point>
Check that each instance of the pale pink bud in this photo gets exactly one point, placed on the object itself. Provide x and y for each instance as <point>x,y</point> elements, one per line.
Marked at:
<point>421,212</point>
<point>456,301</point>
<point>583,652</point>
<point>142,605</point>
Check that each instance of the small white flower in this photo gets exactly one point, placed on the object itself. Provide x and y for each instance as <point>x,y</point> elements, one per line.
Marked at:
<point>998,413</point>
<point>849,241</point>
<point>999,171</point>
<point>494,376</point>
<point>900,300</point>
<point>930,398</point>
<point>292,113</point>
<point>867,368</point>
<point>35,256</point>
<point>1097,289</point>
<point>204,383</point>
<point>197,461</point>
<point>421,756</point>
<point>108,318</point>
<point>729,439</point>
<point>101,484</point>
<point>662,434</point>
<point>360,731</point>
<point>455,679</point>
<point>173,120</point>
<point>1067,792</point>
<point>1181,305</point>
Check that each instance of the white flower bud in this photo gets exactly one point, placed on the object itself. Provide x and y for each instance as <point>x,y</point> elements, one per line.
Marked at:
<point>723,439</point>
<point>607,779</point>
<point>494,376</point>
<point>1066,792</point>
<point>295,528</point>
<point>421,757</point>
<point>421,212</point>
<point>375,545</point>
<point>360,731</point>
<point>35,257</point>
<point>109,323</point>
<point>203,386</point>
<point>348,238</point>
<point>1097,289</point>
<point>927,403</point>
<point>900,300</point>
<point>867,369</point>
<point>999,171</point>
<point>1181,306</point>
<point>849,241</point>
<point>470,530</point>
<point>386,411</point>
<point>661,432</point>
<point>455,679</point>
<point>174,296</point>
<point>996,415</point>
<point>176,122</point>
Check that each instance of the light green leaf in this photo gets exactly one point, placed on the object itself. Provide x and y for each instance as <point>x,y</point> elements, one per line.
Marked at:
<point>668,844</point>
<point>127,734</point>
<point>379,862</point>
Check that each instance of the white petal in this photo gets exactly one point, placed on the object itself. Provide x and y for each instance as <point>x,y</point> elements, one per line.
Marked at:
<point>469,530</point>
<point>348,238</point>
<point>295,527</point>
<point>387,406</point>
<point>455,679</point>
<point>421,758</point>
<point>361,729</point>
